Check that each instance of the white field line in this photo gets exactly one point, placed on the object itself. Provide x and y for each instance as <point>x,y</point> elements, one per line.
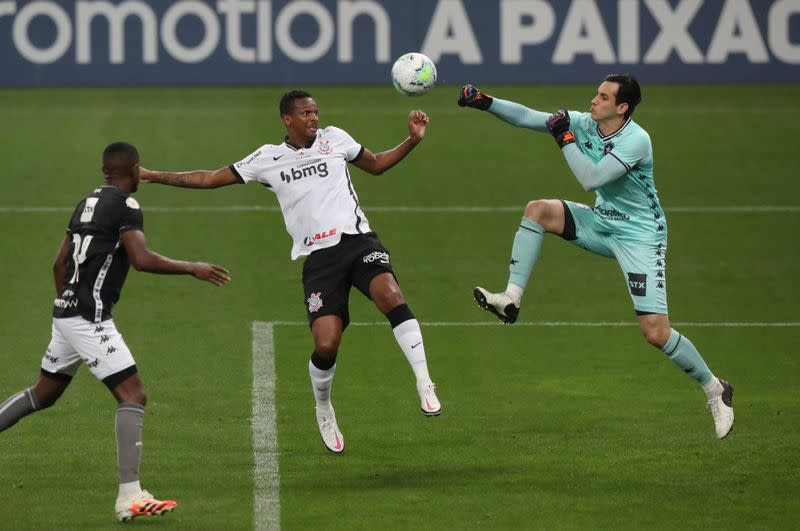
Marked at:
<point>462,209</point>
<point>569,324</point>
<point>266,473</point>
<point>398,111</point>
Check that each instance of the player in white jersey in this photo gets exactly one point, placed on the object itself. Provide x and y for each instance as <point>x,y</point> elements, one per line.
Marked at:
<point>105,236</point>
<point>613,156</point>
<point>308,173</point>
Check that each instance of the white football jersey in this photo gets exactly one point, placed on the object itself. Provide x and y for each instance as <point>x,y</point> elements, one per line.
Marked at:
<point>313,187</point>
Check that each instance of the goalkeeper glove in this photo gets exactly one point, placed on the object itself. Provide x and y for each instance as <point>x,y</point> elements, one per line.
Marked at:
<point>558,125</point>
<point>472,97</point>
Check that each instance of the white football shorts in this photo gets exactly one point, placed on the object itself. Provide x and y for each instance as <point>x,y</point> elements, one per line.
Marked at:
<point>99,345</point>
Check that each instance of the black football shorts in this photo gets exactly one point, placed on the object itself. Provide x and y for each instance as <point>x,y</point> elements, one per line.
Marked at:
<point>329,273</point>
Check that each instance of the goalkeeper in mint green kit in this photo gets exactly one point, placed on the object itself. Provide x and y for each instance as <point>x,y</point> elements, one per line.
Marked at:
<point>611,155</point>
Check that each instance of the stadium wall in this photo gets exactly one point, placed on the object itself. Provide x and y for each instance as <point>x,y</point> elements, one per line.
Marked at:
<point>289,42</point>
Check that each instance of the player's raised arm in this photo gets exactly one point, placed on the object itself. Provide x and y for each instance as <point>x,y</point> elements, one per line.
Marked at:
<point>190,179</point>
<point>508,111</point>
<point>377,163</point>
<point>143,259</point>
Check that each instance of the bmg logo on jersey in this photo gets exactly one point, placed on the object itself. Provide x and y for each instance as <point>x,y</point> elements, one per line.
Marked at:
<point>637,282</point>
<point>308,170</point>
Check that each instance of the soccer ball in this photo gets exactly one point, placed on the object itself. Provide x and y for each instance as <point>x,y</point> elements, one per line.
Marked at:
<point>413,74</point>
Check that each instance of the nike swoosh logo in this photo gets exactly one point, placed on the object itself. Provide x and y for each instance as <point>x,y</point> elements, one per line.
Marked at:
<point>415,346</point>
<point>276,158</point>
<point>338,443</point>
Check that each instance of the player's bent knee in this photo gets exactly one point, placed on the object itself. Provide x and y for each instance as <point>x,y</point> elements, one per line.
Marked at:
<point>656,336</point>
<point>326,348</point>
<point>546,212</point>
<point>535,210</point>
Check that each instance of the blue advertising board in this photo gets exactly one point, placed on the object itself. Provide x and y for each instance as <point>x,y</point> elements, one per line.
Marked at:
<point>286,42</point>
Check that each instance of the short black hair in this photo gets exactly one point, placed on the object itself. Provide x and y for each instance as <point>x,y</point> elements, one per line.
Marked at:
<point>118,157</point>
<point>628,92</point>
<point>287,101</point>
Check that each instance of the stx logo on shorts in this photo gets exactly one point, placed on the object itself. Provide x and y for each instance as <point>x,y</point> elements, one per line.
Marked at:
<point>376,255</point>
<point>637,282</point>
<point>314,302</point>
<point>310,170</point>
<point>51,359</point>
<point>309,240</point>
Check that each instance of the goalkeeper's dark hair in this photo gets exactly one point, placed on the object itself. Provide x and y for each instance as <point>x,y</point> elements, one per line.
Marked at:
<point>118,158</point>
<point>287,101</point>
<point>629,91</point>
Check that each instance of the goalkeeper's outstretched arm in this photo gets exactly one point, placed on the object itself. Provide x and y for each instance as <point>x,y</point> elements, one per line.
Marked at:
<point>508,111</point>
<point>519,115</point>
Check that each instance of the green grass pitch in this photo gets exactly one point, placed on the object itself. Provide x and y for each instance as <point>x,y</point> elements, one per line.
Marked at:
<point>560,427</point>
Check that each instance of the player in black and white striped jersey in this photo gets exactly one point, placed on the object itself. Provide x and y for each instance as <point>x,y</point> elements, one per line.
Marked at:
<point>308,172</point>
<point>105,236</point>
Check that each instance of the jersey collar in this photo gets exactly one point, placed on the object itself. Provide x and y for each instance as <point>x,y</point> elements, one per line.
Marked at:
<point>618,131</point>
<point>294,147</point>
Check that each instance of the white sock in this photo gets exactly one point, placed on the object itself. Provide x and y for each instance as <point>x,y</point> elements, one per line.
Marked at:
<point>321,383</point>
<point>713,388</point>
<point>127,490</point>
<point>409,337</point>
<point>515,292</point>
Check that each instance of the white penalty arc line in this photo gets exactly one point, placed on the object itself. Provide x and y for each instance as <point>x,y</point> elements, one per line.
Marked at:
<point>266,472</point>
<point>443,209</point>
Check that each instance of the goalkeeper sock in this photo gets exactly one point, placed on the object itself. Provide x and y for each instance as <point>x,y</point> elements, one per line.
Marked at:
<point>17,406</point>
<point>524,254</point>
<point>683,354</point>
<point>321,383</point>
<point>130,417</point>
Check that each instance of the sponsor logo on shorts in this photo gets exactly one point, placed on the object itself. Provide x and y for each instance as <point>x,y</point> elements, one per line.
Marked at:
<point>309,240</point>
<point>61,303</point>
<point>381,256</point>
<point>51,359</point>
<point>94,364</point>
<point>637,282</point>
<point>611,213</point>
<point>314,302</point>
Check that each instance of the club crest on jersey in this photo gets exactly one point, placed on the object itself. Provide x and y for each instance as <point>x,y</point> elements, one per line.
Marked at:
<point>132,203</point>
<point>314,302</point>
<point>607,148</point>
<point>325,147</point>
<point>309,240</point>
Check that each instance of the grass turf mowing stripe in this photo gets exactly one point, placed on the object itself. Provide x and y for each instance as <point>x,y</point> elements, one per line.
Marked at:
<point>266,472</point>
